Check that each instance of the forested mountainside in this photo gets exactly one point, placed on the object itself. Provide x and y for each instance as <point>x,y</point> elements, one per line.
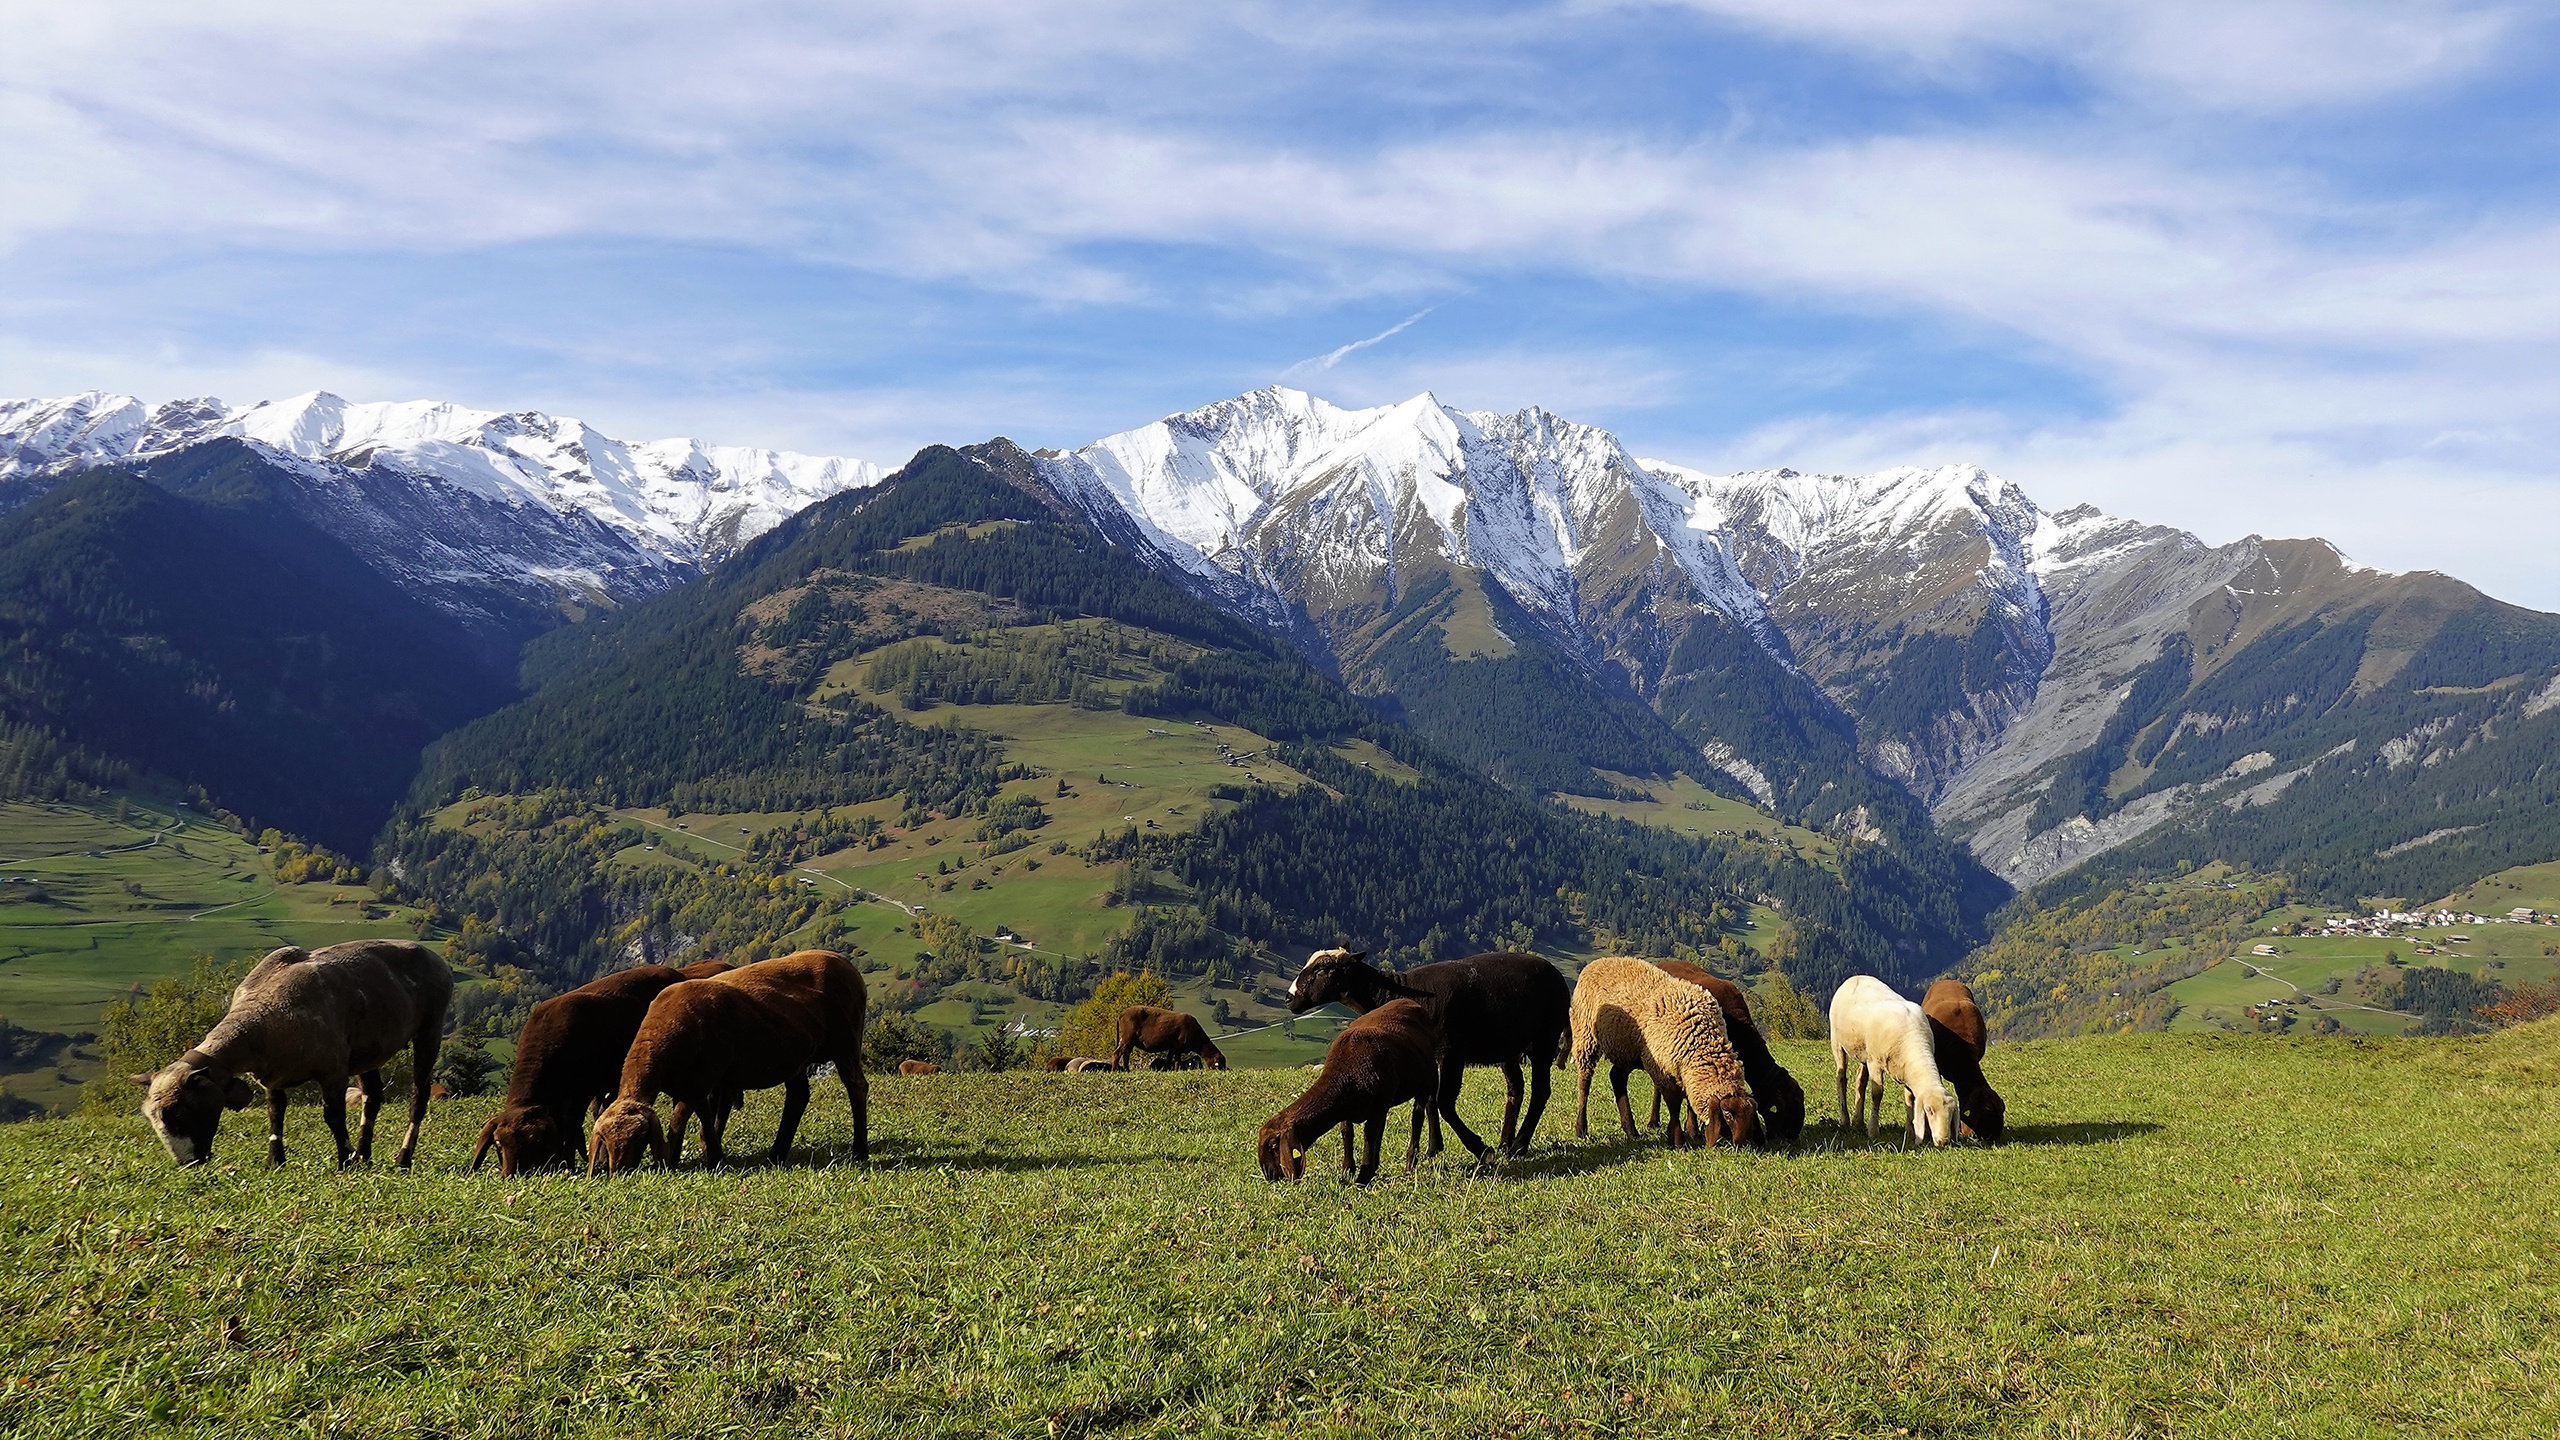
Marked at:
<point>778,685</point>
<point>204,634</point>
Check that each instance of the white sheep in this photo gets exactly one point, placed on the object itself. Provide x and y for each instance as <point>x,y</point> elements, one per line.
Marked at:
<point>1888,1037</point>
<point>1632,1015</point>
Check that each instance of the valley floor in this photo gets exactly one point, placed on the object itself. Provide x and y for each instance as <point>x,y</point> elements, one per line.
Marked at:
<point>2190,1235</point>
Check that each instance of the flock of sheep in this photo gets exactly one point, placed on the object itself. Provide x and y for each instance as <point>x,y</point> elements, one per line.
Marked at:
<point>704,1035</point>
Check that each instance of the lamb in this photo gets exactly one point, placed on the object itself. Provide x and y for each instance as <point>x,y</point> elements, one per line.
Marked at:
<point>1629,1013</point>
<point>302,1016</point>
<point>1780,1098</point>
<point>1388,1056</point>
<point>1889,1038</point>
<point>1165,1033</point>
<point>918,1067</point>
<point>567,1061</point>
<point>1958,1039</point>
<point>1497,1008</point>
<point>707,1042</point>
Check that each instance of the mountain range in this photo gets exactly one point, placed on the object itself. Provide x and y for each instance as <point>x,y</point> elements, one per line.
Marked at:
<point>1914,657</point>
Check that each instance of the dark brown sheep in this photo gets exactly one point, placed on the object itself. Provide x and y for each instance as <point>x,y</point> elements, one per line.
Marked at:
<point>1165,1033</point>
<point>1389,1056</point>
<point>1498,1008</point>
<point>1960,1039</point>
<point>567,1060</point>
<point>1779,1098</point>
<point>707,1042</point>
<point>302,1016</point>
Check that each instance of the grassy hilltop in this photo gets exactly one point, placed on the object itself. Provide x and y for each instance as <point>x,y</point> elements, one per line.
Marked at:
<point>2191,1236</point>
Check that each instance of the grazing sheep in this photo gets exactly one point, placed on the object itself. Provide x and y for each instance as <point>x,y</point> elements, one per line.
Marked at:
<point>567,1060</point>
<point>1889,1038</point>
<point>1958,1039</point>
<point>1165,1033</point>
<point>707,1042</point>
<point>1632,1015</point>
<point>301,1016</point>
<point>1780,1098</point>
<point>1084,1065</point>
<point>1388,1056</point>
<point>1051,1063</point>
<point>1498,1008</point>
<point>918,1067</point>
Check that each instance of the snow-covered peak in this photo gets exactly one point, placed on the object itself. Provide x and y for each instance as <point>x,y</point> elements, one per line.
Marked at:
<point>680,499</point>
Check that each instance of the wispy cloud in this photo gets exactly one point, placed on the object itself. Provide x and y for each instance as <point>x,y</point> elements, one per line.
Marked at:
<point>1335,356</point>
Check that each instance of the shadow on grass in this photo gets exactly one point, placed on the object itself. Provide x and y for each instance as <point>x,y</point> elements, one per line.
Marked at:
<point>1829,1137</point>
<point>909,1155</point>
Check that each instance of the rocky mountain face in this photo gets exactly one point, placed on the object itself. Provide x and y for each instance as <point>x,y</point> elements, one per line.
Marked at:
<point>507,520</point>
<point>2044,682</point>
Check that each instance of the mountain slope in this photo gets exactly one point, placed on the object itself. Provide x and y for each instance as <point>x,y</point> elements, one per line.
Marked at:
<point>213,638</point>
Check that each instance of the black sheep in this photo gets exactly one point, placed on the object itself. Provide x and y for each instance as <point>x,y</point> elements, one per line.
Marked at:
<point>1499,1008</point>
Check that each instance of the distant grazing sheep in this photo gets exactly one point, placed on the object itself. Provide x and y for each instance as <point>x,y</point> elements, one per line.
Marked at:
<point>1633,1016</point>
<point>1052,1062</point>
<point>1389,1056</point>
<point>1888,1038</point>
<point>707,1042</point>
<point>1498,1008</point>
<point>1165,1033</point>
<point>567,1061</point>
<point>918,1067</point>
<point>303,1016</point>
<point>1084,1064</point>
<point>1959,1039</point>
<point>1780,1098</point>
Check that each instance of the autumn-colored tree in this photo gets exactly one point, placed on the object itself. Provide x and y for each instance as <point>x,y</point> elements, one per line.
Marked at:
<point>1783,1012</point>
<point>1092,1029</point>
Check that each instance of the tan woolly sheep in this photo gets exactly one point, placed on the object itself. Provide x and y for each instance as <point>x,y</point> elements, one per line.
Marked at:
<point>1632,1015</point>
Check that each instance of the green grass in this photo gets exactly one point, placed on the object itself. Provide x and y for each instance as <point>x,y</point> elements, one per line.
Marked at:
<point>95,939</point>
<point>1684,805</point>
<point>2534,885</point>
<point>2191,1235</point>
<point>2300,971</point>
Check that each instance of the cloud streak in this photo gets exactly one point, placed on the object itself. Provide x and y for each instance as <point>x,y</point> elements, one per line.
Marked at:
<point>1337,355</point>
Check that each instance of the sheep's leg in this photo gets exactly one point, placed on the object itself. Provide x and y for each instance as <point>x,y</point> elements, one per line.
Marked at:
<point>1413,1147</point>
<point>1372,1131</point>
<point>1582,1115</point>
<point>1672,1136</point>
<point>1840,1072</point>
<point>715,1131</point>
<point>1453,1073</point>
<point>677,1119</point>
<point>1510,1103</point>
<point>795,1099</point>
<point>857,1093</point>
<point>1870,1099</point>
<point>371,1080</point>
<point>1618,1082</point>
<point>1537,1105</point>
<point>1654,1121</point>
<point>422,1071</point>
<point>333,1108</point>
<point>1350,1166</point>
<point>275,1124</point>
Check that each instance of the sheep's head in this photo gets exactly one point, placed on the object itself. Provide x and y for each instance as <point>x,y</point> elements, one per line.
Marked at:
<point>184,1104</point>
<point>1933,1116</point>
<point>527,1138</point>
<point>1212,1058</point>
<point>627,1133</point>
<point>1283,1158</point>
<point>1986,1114</point>
<point>1345,975</point>
<point>1783,1120</point>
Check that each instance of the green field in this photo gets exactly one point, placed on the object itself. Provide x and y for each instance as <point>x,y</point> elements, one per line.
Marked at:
<point>1684,805</point>
<point>2534,885</point>
<point>129,901</point>
<point>2191,1235</point>
<point>2299,976</point>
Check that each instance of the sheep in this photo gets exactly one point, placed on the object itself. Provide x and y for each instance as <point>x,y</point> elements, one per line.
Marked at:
<point>567,1060</point>
<point>918,1067</point>
<point>1496,1008</point>
<point>1084,1065</point>
<point>1165,1033</point>
<point>1773,1089</point>
<point>302,1016</point>
<point>1629,1013</point>
<point>1889,1038</point>
<point>1958,1038</point>
<point>707,1042</point>
<point>1388,1056</point>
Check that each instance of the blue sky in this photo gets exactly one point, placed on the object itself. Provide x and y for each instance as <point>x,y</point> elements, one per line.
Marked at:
<point>2291,267</point>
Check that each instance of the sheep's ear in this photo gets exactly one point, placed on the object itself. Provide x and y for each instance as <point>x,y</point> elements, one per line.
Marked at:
<point>1394,986</point>
<point>1356,954</point>
<point>488,1133</point>
<point>237,1095</point>
<point>142,1079</point>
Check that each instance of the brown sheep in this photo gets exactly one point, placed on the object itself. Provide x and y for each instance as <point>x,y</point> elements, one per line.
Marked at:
<point>1773,1089</point>
<point>1960,1038</point>
<point>1631,1014</point>
<point>1052,1063</point>
<point>707,1042</point>
<point>918,1067</point>
<point>567,1060</point>
<point>301,1016</point>
<point>1165,1033</point>
<point>1383,1059</point>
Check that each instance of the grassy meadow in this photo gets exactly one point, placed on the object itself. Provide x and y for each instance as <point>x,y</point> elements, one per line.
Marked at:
<point>2189,1235</point>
